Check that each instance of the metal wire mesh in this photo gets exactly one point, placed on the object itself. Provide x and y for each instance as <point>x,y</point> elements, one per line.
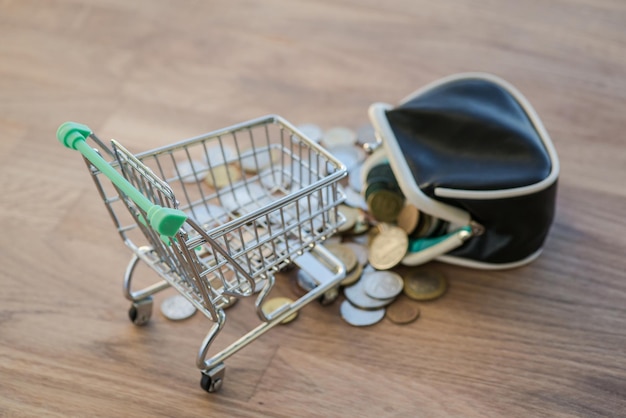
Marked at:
<point>257,194</point>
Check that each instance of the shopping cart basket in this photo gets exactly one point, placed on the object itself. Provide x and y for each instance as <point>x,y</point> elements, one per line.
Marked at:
<point>254,198</point>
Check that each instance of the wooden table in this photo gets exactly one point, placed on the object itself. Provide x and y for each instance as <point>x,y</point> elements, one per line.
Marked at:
<point>548,339</point>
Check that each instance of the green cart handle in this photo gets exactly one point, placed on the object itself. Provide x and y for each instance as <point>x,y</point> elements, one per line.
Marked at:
<point>166,221</point>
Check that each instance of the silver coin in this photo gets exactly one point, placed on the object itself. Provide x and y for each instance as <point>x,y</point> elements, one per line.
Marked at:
<point>356,294</point>
<point>348,155</point>
<point>311,131</point>
<point>274,179</point>
<point>359,317</point>
<point>217,155</point>
<point>244,199</point>
<point>366,134</point>
<point>354,178</point>
<point>355,199</point>
<point>369,269</point>
<point>383,284</point>
<point>177,307</point>
<point>259,160</point>
<point>190,171</point>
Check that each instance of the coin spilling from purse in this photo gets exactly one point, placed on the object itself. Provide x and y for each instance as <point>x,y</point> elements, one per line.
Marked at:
<point>374,239</point>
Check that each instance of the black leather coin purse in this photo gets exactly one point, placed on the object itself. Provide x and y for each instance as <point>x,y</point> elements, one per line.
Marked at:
<point>470,150</point>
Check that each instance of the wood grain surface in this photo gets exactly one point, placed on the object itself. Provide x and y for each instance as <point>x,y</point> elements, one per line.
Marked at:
<point>548,339</point>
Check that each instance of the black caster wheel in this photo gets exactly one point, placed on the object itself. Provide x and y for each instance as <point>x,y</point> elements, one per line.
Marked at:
<point>140,312</point>
<point>213,379</point>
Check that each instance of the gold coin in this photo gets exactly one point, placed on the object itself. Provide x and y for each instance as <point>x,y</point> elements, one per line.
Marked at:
<point>351,215</point>
<point>274,304</point>
<point>222,175</point>
<point>352,276</point>
<point>388,248</point>
<point>403,310</point>
<point>425,284</point>
<point>345,254</point>
<point>408,218</point>
<point>385,205</point>
<point>424,225</point>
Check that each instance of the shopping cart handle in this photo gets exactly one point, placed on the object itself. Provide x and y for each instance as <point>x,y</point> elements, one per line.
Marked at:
<point>166,221</point>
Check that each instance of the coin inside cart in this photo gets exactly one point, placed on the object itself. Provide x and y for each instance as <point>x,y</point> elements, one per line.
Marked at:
<point>190,171</point>
<point>272,305</point>
<point>176,308</point>
<point>311,131</point>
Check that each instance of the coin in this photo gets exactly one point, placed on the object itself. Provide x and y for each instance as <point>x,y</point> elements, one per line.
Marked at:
<point>425,284</point>
<point>369,269</point>
<point>250,197</point>
<point>365,134</point>
<point>274,179</point>
<point>424,224</point>
<point>403,310</point>
<point>351,215</point>
<point>350,156</point>
<point>381,173</point>
<point>408,218</point>
<point>216,155</point>
<point>271,305</point>
<point>388,248</point>
<point>259,160</point>
<point>190,171</point>
<point>352,276</point>
<point>355,199</point>
<point>383,284</point>
<point>177,307</point>
<point>338,136</point>
<point>356,294</point>
<point>222,175</point>
<point>359,317</point>
<point>354,178</point>
<point>361,251</point>
<point>335,239</point>
<point>310,131</point>
<point>345,254</point>
<point>385,205</point>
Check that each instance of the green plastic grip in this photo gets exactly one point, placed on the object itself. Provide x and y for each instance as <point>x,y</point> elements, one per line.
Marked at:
<point>166,221</point>
<point>419,244</point>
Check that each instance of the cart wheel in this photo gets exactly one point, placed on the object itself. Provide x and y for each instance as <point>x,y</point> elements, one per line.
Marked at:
<point>329,296</point>
<point>141,311</point>
<point>212,380</point>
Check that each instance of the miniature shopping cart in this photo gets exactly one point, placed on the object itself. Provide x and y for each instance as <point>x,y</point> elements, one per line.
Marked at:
<point>217,215</point>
